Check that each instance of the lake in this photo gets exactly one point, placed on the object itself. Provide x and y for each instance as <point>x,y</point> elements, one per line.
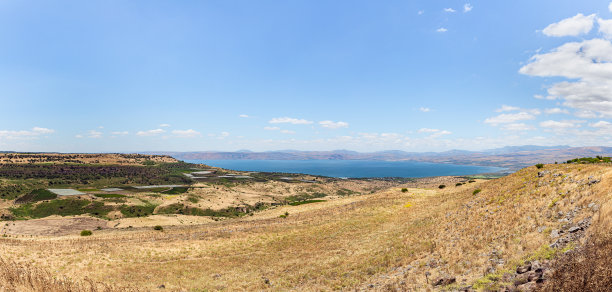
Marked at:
<point>351,168</point>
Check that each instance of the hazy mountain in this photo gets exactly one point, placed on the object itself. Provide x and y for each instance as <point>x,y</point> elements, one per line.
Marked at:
<point>512,157</point>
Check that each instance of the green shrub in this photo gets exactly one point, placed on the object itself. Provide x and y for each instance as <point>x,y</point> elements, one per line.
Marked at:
<point>404,190</point>
<point>476,191</point>
<point>441,186</point>
<point>86,233</point>
<point>539,165</point>
<point>458,184</point>
<point>158,227</point>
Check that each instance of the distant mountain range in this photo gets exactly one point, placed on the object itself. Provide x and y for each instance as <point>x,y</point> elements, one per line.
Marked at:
<point>512,157</point>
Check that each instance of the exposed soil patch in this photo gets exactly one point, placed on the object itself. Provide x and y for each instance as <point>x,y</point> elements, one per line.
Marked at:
<point>52,226</point>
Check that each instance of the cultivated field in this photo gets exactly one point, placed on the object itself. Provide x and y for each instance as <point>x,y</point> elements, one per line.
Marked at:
<point>474,234</point>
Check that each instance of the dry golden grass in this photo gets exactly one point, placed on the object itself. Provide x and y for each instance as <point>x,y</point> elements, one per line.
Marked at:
<point>389,239</point>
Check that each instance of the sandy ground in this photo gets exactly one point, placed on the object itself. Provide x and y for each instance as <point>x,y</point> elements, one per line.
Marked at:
<point>52,226</point>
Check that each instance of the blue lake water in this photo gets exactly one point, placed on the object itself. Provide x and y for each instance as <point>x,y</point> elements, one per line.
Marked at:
<point>351,168</point>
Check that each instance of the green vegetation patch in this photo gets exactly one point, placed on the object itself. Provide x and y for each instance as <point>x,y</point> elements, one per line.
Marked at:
<point>64,207</point>
<point>304,197</point>
<point>110,196</point>
<point>587,160</point>
<point>305,202</point>
<point>137,211</point>
<point>176,191</point>
<point>345,192</point>
<point>36,196</point>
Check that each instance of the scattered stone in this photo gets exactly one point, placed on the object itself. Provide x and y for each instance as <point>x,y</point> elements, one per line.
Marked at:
<point>524,268</point>
<point>443,281</point>
<point>162,286</point>
<point>520,279</point>
<point>574,229</point>
<point>543,173</point>
<point>527,287</point>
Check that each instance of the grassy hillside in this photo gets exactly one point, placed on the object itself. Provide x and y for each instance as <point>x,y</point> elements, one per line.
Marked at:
<point>476,233</point>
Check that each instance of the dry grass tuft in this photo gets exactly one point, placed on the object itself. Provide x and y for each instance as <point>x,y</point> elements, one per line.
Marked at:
<point>586,269</point>
<point>23,277</point>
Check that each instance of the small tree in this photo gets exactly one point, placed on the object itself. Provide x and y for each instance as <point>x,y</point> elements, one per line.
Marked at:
<point>158,227</point>
<point>86,233</point>
<point>539,165</point>
<point>441,186</point>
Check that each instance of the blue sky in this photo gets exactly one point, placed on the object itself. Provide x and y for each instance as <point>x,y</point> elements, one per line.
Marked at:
<point>114,76</point>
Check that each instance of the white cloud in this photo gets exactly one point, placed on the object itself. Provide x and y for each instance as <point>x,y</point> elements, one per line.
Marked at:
<point>509,118</point>
<point>94,134</point>
<point>601,124</point>
<point>244,116</point>
<point>164,125</point>
<point>548,97</point>
<point>287,132</point>
<point>573,26</point>
<point>39,130</point>
<point>425,109</point>
<point>467,7</point>
<point>442,29</point>
<point>190,133</point>
<point>450,10</point>
<point>561,125</point>
<point>507,108</point>
<point>427,130</point>
<point>25,134</point>
<point>556,110</point>
<point>518,127</point>
<point>288,120</point>
<point>224,134</point>
<point>150,132</point>
<point>610,7</point>
<point>120,133</point>
<point>434,132</point>
<point>333,125</point>
<point>421,12</point>
<point>78,136</point>
<point>605,27</point>
<point>588,64</point>
<point>271,128</point>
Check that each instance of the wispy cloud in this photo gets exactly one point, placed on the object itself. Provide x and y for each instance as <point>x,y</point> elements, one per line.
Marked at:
<point>190,133</point>
<point>164,125</point>
<point>450,10</point>
<point>94,134</point>
<point>25,134</point>
<point>333,125</point>
<point>287,120</point>
<point>442,29</point>
<point>425,109</point>
<point>120,133</point>
<point>467,7</point>
<point>243,116</point>
<point>509,118</point>
<point>150,132</point>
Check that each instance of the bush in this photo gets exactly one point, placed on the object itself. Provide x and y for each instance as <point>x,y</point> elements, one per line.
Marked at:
<point>158,227</point>
<point>458,184</point>
<point>476,191</point>
<point>86,233</point>
<point>539,165</point>
<point>404,190</point>
<point>441,186</point>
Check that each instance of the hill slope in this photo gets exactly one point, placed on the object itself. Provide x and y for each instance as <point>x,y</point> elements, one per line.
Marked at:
<point>383,241</point>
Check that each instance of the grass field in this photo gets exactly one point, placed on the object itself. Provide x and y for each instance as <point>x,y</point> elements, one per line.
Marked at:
<point>386,240</point>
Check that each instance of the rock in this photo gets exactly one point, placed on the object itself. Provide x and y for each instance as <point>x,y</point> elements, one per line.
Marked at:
<point>533,276</point>
<point>520,279</point>
<point>543,173</point>
<point>574,229</point>
<point>554,233</point>
<point>507,277</point>
<point>527,287</point>
<point>162,286</point>
<point>524,268</point>
<point>443,281</point>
